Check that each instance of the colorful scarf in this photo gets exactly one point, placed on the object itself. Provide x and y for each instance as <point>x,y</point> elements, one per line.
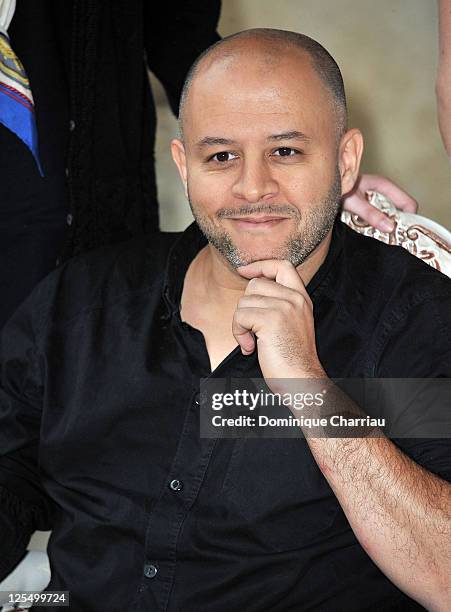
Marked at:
<point>16,100</point>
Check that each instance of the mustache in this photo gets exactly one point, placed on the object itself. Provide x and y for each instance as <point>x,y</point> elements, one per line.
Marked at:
<point>247,211</point>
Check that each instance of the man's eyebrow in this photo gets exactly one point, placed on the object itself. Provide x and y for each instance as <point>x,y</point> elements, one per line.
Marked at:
<point>208,141</point>
<point>293,135</point>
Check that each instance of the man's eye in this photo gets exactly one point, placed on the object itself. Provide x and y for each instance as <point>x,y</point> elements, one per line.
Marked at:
<point>223,156</point>
<point>286,152</point>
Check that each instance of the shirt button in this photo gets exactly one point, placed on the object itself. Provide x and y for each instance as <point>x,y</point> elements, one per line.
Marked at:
<point>69,219</point>
<point>71,125</point>
<point>66,172</point>
<point>196,399</point>
<point>150,570</point>
<point>176,485</point>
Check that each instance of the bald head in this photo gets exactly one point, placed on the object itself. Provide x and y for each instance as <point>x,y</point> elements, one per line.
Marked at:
<point>270,47</point>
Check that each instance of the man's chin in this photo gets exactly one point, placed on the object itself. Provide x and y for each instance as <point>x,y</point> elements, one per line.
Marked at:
<point>242,250</point>
<point>245,258</point>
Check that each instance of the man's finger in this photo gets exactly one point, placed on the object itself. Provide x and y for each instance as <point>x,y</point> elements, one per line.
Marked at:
<point>279,270</point>
<point>264,287</point>
<point>267,302</point>
<point>359,205</point>
<point>400,198</point>
<point>246,322</point>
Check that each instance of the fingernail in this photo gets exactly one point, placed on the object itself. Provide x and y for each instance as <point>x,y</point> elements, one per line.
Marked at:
<point>386,225</point>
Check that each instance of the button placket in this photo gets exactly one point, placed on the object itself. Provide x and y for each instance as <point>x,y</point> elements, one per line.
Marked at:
<point>169,512</point>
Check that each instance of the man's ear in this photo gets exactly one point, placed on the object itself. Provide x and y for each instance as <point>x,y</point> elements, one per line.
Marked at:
<point>179,157</point>
<point>349,156</point>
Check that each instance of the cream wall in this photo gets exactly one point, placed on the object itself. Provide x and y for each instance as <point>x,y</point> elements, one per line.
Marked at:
<point>387,50</point>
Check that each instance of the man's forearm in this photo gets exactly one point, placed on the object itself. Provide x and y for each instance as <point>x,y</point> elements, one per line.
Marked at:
<point>443,84</point>
<point>400,512</point>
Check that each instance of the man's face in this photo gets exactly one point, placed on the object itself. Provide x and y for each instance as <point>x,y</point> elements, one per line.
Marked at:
<point>260,158</point>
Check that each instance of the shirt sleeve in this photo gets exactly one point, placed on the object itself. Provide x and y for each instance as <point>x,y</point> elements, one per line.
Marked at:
<point>174,36</point>
<point>24,504</point>
<point>417,347</point>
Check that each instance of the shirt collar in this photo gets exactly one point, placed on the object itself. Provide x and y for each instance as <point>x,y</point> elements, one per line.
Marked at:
<point>191,241</point>
<point>182,253</point>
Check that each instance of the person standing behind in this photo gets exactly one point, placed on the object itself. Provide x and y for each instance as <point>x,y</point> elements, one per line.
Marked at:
<point>443,84</point>
<point>87,64</point>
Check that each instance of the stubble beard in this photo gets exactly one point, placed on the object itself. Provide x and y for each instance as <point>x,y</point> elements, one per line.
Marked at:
<point>312,227</point>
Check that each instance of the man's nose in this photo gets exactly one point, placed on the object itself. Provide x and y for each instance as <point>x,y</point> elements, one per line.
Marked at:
<point>255,182</point>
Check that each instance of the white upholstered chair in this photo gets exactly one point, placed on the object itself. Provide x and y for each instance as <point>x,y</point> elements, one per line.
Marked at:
<point>420,236</point>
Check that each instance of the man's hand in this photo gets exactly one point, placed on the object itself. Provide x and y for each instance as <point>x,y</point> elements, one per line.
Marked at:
<point>357,202</point>
<point>277,313</point>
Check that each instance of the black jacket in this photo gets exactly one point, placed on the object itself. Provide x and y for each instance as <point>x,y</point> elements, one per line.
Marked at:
<point>110,159</point>
<point>87,63</point>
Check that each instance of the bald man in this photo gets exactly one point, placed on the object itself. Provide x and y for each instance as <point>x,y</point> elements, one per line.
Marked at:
<point>101,369</point>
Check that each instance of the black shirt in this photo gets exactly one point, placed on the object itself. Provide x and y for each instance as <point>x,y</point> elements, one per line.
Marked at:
<point>99,435</point>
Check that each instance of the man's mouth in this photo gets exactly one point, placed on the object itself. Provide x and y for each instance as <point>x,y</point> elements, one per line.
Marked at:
<point>257,222</point>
